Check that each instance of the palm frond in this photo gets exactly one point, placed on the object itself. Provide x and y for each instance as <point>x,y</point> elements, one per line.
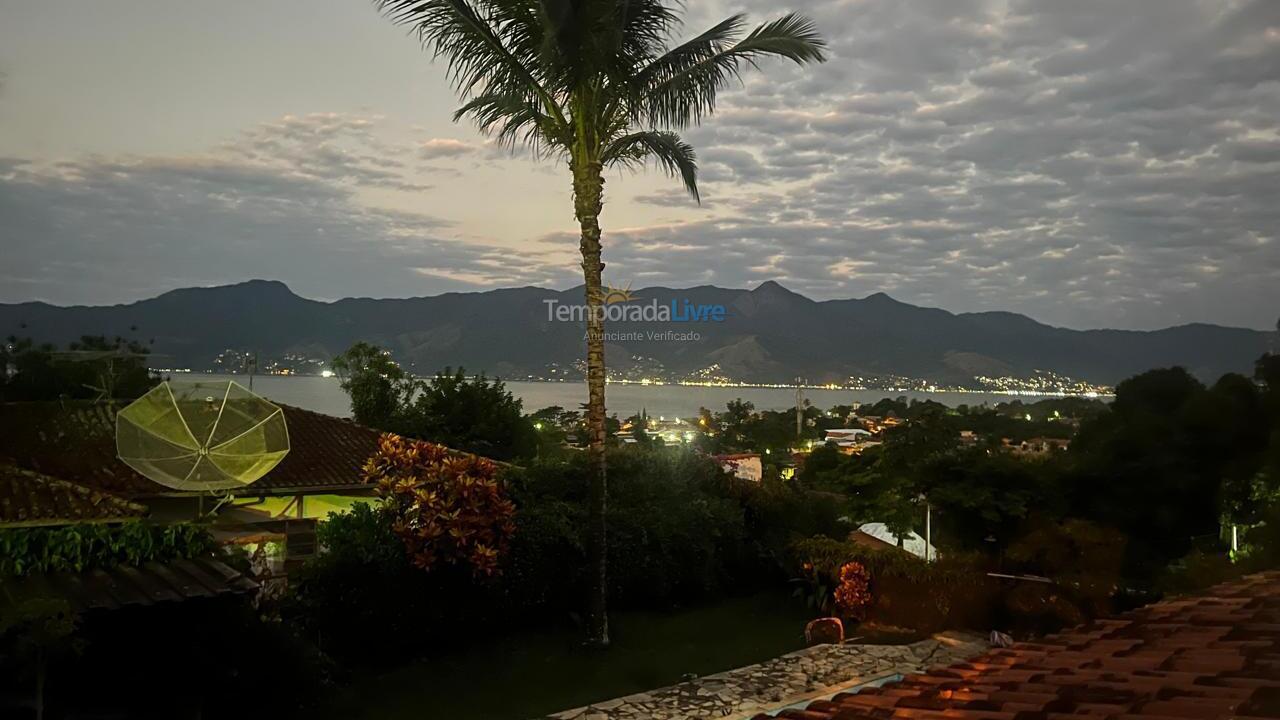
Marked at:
<point>671,152</point>
<point>683,87</point>
<point>478,59</point>
<point>691,52</point>
<point>514,119</point>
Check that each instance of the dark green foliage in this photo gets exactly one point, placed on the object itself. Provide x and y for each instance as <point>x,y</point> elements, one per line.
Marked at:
<point>473,414</point>
<point>91,369</point>
<point>1077,555</point>
<point>982,499</point>
<point>477,415</point>
<point>379,389</point>
<point>363,600</point>
<point>1169,462</point>
<point>680,532</point>
<point>906,591</point>
<point>743,429</point>
<point>73,548</point>
<point>1163,468</point>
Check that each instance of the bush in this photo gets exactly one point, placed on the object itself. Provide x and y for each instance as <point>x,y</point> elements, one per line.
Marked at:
<point>363,600</point>
<point>672,538</point>
<point>905,591</point>
<point>74,548</point>
<point>680,531</point>
<point>447,509</point>
<point>1084,559</point>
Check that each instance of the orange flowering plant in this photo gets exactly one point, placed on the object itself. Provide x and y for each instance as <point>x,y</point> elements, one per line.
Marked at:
<point>853,592</point>
<point>447,507</point>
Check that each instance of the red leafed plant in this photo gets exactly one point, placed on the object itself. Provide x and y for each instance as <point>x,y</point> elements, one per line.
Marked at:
<point>853,593</point>
<point>447,508</point>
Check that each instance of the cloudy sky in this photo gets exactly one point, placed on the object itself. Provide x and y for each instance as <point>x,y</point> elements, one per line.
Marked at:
<point>1091,163</point>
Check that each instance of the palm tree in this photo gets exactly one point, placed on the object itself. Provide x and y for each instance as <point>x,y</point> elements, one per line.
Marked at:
<point>595,84</point>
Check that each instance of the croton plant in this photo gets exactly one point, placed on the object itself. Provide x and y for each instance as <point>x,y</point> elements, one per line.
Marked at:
<point>448,507</point>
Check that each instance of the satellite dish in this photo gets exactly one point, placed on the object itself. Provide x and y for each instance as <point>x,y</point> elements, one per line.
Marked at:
<point>201,436</point>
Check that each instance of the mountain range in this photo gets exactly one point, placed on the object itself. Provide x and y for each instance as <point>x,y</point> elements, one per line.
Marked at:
<point>767,334</point>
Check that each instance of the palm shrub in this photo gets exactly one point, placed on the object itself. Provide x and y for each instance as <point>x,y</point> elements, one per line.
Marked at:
<point>594,84</point>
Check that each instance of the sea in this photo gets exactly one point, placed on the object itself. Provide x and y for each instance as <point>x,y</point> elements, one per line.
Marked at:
<point>324,395</point>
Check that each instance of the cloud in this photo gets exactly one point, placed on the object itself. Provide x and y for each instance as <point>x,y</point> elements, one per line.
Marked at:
<point>1089,163</point>
<point>116,229</point>
<point>439,148</point>
<point>1097,165</point>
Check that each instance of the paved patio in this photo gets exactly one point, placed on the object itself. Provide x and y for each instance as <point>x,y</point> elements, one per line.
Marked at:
<point>790,679</point>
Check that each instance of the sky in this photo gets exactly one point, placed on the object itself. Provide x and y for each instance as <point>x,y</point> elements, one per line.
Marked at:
<point>1087,163</point>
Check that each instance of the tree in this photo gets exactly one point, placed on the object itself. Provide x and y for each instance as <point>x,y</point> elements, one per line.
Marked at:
<point>379,389</point>
<point>593,83</point>
<point>1169,462</point>
<point>478,415</point>
<point>93,368</point>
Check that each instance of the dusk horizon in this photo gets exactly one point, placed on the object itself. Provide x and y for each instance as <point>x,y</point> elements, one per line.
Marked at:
<point>579,287</point>
<point>639,359</point>
<point>1105,168</point>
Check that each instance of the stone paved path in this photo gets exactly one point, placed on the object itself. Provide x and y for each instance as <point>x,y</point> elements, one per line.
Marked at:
<point>800,676</point>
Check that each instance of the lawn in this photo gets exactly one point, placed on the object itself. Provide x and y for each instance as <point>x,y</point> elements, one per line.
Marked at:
<point>539,672</point>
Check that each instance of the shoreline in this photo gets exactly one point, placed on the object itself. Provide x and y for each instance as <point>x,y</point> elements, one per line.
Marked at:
<point>1089,395</point>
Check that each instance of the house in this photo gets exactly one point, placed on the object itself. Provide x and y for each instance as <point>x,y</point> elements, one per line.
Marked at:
<point>879,423</point>
<point>850,441</point>
<point>73,444</point>
<point>672,431</point>
<point>75,441</point>
<point>745,466</point>
<point>1034,447</point>
<point>34,500</point>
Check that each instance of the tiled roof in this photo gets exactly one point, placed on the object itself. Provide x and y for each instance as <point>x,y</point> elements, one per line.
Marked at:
<point>29,499</point>
<point>1215,655</point>
<point>127,585</point>
<point>76,441</point>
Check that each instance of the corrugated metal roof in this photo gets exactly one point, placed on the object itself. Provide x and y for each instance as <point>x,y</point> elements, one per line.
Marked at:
<point>127,585</point>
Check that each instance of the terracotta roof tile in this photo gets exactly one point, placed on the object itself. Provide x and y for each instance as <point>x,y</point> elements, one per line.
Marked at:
<point>29,499</point>
<point>76,441</point>
<point>1216,655</point>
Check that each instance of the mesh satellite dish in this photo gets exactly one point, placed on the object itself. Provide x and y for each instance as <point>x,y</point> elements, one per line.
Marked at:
<point>201,436</point>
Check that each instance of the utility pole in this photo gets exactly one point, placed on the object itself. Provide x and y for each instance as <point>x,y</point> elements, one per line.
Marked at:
<point>251,365</point>
<point>928,528</point>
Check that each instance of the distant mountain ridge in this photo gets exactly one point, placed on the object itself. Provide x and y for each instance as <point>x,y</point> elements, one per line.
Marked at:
<point>769,334</point>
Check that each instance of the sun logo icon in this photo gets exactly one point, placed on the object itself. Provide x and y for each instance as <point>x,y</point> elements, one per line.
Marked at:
<point>617,295</point>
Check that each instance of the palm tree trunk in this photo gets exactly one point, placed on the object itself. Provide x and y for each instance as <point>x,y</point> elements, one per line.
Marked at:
<point>588,192</point>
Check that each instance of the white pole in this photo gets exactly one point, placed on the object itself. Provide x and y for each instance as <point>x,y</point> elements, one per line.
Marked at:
<point>928,532</point>
<point>1235,538</point>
